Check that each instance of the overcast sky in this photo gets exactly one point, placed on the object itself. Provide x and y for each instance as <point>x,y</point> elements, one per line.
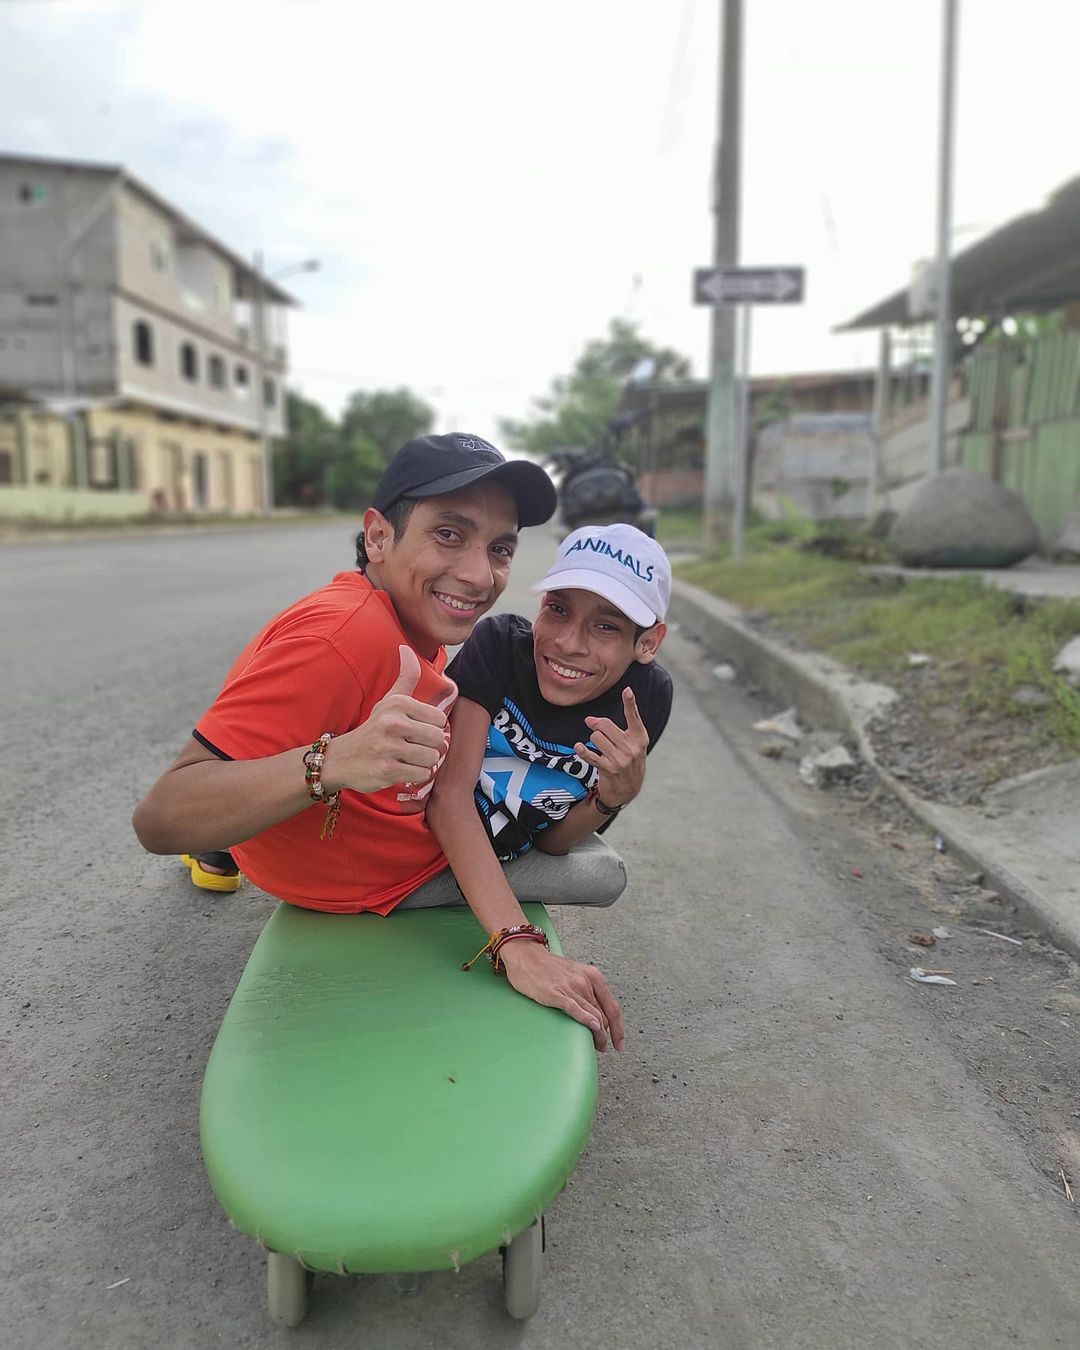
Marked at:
<point>487,183</point>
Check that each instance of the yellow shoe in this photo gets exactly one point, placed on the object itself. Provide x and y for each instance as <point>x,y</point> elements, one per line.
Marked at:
<point>213,881</point>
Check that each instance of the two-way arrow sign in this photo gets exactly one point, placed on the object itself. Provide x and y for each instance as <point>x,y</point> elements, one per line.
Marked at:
<point>748,285</point>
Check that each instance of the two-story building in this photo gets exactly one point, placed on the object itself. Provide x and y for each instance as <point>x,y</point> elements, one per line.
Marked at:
<point>141,360</point>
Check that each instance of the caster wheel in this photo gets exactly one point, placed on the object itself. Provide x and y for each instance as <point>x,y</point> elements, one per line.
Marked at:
<point>522,1270</point>
<point>409,1284</point>
<point>288,1288</point>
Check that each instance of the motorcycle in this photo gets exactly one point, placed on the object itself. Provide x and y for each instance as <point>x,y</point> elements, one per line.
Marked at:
<point>596,489</point>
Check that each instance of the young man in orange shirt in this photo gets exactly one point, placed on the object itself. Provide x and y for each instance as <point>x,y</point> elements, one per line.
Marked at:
<point>314,763</point>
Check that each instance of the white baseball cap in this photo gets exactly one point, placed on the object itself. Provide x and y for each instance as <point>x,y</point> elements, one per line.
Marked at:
<point>618,562</point>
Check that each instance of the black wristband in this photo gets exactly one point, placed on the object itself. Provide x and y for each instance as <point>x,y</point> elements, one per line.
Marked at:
<point>602,806</point>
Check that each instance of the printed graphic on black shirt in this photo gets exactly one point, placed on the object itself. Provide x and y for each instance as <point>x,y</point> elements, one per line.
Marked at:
<point>526,783</point>
<point>530,776</point>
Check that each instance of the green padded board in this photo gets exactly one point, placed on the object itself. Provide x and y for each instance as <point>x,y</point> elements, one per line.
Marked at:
<point>368,1106</point>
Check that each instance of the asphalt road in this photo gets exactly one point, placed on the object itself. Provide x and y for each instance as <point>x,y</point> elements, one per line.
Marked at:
<point>795,1149</point>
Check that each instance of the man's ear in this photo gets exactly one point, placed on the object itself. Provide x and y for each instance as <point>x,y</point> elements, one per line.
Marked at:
<point>378,535</point>
<point>648,644</point>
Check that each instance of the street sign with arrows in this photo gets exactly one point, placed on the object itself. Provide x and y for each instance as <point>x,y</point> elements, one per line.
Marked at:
<point>748,285</point>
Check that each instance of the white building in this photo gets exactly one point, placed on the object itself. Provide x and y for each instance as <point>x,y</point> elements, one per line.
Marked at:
<point>129,358</point>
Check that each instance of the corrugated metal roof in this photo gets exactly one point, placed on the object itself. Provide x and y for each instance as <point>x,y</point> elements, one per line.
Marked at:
<point>1031,264</point>
<point>245,271</point>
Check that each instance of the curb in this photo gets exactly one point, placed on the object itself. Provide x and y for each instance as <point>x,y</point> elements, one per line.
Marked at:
<point>829,695</point>
<point>14,536</point>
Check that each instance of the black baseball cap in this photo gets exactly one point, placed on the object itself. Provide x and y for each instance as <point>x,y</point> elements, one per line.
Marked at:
<point>429,466</point>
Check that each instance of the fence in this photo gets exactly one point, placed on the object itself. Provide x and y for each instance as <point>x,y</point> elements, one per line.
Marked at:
<point>1025,424</point>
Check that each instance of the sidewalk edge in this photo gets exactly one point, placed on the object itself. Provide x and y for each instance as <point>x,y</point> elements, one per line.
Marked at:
<point>829,695</point>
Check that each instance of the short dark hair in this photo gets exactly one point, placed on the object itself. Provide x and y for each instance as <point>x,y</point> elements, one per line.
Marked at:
<point>398,515</point>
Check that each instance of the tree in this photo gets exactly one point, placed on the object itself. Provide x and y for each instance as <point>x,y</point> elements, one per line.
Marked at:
<point>386,418</point>
<point>356,469</point>
<point>301,461</point>
<point>578,408</point>
<point>322,462</point>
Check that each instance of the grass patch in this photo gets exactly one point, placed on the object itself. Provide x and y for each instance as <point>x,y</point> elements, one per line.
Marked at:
<point>984,644</point>
<point>678,526</point>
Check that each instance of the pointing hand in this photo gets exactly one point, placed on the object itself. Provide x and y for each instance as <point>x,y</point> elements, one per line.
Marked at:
<point>619,757</point>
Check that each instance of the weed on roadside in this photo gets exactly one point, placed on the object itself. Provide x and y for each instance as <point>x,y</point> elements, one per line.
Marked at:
<point>984,646</point>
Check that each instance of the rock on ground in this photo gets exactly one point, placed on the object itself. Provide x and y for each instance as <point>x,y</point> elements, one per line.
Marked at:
<point>784,724</point>
<point>961,518</point>
<point>1067,661</point>
<point>827,766</point>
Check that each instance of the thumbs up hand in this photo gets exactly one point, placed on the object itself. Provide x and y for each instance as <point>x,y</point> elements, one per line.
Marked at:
<point>402,741</point>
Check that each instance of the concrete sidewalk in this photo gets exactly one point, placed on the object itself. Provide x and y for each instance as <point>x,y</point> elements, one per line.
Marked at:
<point>1025,838</point>
<point>1034,576</point>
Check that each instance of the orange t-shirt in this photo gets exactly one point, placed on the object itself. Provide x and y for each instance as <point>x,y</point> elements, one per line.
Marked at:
<point>322,666</point>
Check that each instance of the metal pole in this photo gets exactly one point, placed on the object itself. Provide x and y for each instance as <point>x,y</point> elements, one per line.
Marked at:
<point>258,323</point>
<point>721,416</point>
<point>939,384</point>
<point>743,454</point>
<point>880,415</point>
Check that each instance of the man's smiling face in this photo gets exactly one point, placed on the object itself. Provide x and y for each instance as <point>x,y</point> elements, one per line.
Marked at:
<point>449,565</point>
<point>582,645</point>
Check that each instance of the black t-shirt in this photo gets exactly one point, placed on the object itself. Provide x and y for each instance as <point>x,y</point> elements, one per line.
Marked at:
<point>531,776</point>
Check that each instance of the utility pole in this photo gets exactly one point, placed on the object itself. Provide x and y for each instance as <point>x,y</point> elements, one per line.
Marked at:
<point>875,478</point>
<point>258,326</point>
<point>742,443</point>
<point>939,381</point>
<point>720,441</point>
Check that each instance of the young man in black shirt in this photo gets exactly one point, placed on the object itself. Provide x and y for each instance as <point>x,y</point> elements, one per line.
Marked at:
<point>551,728</point>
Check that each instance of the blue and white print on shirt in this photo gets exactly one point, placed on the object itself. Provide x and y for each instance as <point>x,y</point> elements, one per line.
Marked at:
<point>526,781</point>
<point>530,776</point>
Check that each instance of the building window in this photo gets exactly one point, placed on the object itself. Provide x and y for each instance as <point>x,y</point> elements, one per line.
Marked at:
<point>269,392</point>
<point>215,370</point>
<point>134,465</point>
<point>200,476</point>
<point>189,361</point>
<point>102,465</point>
<point>40,301</point>
<point>33,194</point>
<point>159,255</point>
<point>144,343</point>
<point>240,375</point>
<point>227,488</point>
<point>127,467</point>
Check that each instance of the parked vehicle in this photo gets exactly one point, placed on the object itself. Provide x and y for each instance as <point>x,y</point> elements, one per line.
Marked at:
<point>597,489</point>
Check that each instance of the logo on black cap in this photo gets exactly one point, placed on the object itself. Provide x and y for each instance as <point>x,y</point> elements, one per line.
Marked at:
<point>475,443</point>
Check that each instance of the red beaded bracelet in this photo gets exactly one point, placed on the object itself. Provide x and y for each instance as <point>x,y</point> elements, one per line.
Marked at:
<point>498,940</point>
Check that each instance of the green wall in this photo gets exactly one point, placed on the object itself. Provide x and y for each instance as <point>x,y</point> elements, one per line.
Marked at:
<point>1033,388</point>
<point>68,504</point>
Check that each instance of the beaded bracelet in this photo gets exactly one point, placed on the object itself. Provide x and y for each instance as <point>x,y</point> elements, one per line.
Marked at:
<point>496,941</point>
<point>313,763</point>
